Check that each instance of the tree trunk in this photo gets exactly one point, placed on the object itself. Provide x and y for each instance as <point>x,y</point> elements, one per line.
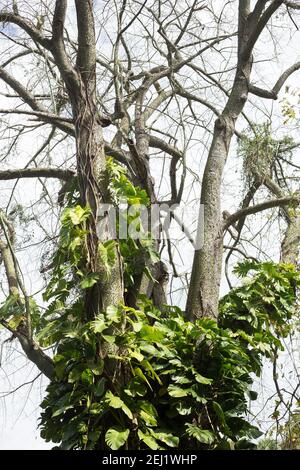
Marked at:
<point>291,242</point>
<point>203,293</point>
<point>91,164</point>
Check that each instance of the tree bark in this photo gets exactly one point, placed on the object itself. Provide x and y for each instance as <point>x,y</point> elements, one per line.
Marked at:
<point>203,295</point>
<point>291,242</point>
<point>34,353</point>
<point>91,159</point>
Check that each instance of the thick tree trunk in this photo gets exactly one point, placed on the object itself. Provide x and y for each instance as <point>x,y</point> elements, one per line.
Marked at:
<point>290,246</point>
<point>206,273</point>
<point>93,184</point>
<point>203,293</point>
<point>91,164</point>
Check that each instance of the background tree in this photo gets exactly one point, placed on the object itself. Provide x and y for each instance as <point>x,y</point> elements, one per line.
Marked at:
<point>161,88</point>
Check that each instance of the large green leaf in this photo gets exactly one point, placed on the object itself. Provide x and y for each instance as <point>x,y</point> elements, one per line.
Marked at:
<point>177,392</point>
<point>116,437</point>
<point>202,435</point>
<point>167,438</point>
<point>151,334</point>
<point>116,402</point>
<point>148,440</point>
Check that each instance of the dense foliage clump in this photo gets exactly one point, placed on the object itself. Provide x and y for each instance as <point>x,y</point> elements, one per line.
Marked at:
<point>184,385</point>
<point>138,378</point>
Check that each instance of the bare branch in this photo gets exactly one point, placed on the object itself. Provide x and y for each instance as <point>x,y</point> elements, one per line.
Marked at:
<point>33,352</point>
<point>190,96</point>
<point>27,26</point>
<point>153,106</point>
<point>273,94</point>
<point>58,48</point>
<point>29,346</point>
<point>86,55</point>
<point>284,201</point>
<point>293,5</point>
<point>29,99</point>
<point>49,117</point>
<point>258,28</point>
<point>24,94</point>
<point>158,143</point>
<point>58,173</point>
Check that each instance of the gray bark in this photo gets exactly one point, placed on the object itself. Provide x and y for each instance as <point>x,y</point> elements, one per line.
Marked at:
<point>29,346</point>
<point>291,243</point>
<point>203,295</point>
<point>91,160</point>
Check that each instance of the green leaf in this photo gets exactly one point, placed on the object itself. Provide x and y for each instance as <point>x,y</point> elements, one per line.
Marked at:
<point>116,402</point>
<point>137,355</point>
<point>136,388</point>
<point>183,410</point>
<point>99,388</point>
<point>61,410</point>
<point>109,339</point>
<point>112,313</point>
<point>148,419</point>
<point>148,440</point>
<point>87,376</point>
<point>11,306</point>
<point>138,371</point>
<point>116,437</point>
<point>177,392</point>
<point>96,409</point>
<point>151,334</point>
<point>100,324</point>
<point>167,438</point>
<point>89,281</point>
<point>148,413</point>
<point>148,367</point>
<point>220,413</point>
<point>75,374</point>
<point>153,255</point>
<point>181,379</point>
<point>137,326</point>
<point>202,435</point>
<point>78,214</point>
<point>202,380</point>
<point>252,395</point>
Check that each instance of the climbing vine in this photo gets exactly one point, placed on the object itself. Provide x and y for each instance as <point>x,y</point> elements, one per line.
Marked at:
<point>138,378</point>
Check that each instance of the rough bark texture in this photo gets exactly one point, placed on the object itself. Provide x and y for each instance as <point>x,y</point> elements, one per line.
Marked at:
<point>203,293</point>
<point>91,160</point>
<point>291,243</point>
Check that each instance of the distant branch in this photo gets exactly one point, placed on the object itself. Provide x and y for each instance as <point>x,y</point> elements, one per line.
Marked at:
<point>259,27</point>
<point>16,287</point>
<point>29,99</point>
<point>40,114</point>
<point>27,26</point>
<point>294,5</point>
<point>33,352</point>
<point>156,142</point>
<point>58,173</point>
<point>273,94</point>
<point>230,220</point>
